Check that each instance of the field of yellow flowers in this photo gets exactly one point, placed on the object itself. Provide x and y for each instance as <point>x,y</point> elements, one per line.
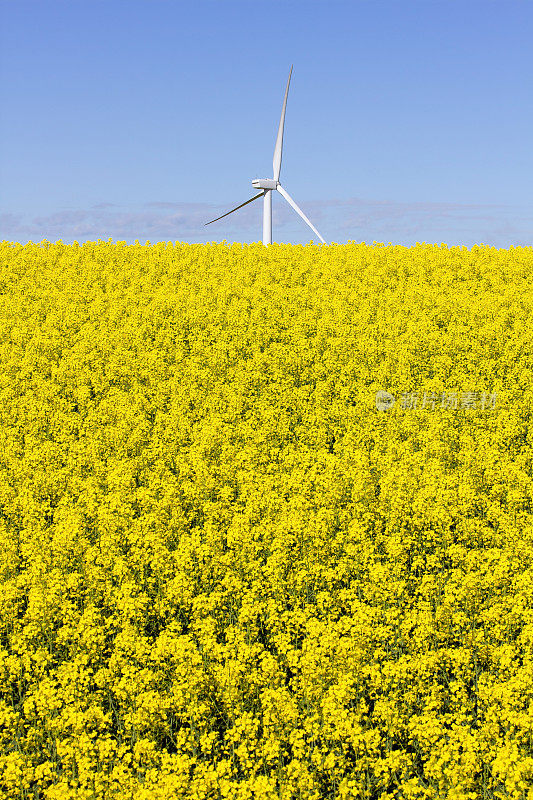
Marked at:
<point>225,572</point>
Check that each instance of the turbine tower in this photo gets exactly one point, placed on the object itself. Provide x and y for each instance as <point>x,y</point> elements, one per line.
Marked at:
<point>268,185</point>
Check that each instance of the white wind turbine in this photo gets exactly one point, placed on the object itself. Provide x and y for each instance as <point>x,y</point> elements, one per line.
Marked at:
<point>269,184</point>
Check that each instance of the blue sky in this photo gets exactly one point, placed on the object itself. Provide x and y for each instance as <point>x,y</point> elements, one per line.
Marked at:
<point>407,120</point>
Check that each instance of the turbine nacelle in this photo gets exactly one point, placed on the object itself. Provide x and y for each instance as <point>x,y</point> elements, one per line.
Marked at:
<point>265,183</point>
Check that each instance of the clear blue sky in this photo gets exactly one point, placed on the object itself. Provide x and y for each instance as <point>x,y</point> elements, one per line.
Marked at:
<point>407,120</point>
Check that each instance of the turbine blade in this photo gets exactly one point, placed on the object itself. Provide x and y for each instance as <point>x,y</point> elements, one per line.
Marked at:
<point>291,202</point>
<point>236,208</point>
<point>279,141</point>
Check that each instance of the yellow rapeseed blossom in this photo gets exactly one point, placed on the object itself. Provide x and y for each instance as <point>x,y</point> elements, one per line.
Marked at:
<point>229,567</point>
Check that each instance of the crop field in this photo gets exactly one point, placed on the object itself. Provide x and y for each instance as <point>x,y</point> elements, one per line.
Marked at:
<point>266,522</point>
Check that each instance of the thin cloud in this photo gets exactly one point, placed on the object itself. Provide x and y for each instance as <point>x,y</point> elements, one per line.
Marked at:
<point>164,204</point>
<point>338,220</point>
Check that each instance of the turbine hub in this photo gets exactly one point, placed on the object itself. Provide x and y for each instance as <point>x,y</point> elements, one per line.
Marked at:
<point>265,183</point>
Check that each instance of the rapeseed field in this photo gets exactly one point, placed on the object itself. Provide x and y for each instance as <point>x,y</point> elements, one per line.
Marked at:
<point>227,571</point>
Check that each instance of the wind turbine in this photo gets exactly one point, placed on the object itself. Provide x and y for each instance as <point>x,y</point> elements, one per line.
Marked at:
<point>268,185</point>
